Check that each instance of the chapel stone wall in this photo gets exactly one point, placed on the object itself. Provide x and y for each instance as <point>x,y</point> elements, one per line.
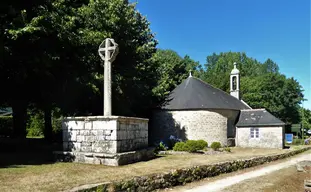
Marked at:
<point>190,125</point>
<point>269,137</point>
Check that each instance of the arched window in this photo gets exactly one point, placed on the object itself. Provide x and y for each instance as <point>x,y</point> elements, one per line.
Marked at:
<point>234,83</point>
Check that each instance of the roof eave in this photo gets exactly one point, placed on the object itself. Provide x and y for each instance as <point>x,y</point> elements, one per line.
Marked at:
<point>257,125</point>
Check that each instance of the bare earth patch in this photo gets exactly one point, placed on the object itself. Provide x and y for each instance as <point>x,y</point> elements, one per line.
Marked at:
<point>62,176</point>
<point>284,180</point>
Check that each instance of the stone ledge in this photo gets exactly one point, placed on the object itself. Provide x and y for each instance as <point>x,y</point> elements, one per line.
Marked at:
<point>111,159</point>
<point>182,176</point>
<point>82,118</point>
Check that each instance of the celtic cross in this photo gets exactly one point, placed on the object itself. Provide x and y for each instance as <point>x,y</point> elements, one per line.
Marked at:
<point>108,51</point>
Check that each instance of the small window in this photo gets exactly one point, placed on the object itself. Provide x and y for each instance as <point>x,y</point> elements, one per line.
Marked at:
<point>234,83</point>
<point>254,132</point>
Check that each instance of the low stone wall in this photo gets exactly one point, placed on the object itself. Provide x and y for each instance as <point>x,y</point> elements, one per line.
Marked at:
<point>183,176</point>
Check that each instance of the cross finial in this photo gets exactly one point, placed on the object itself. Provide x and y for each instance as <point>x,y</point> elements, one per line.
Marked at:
<point>190,75</point>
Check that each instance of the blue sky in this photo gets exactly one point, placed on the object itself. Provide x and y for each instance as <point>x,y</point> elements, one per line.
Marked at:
<point>276,29</point>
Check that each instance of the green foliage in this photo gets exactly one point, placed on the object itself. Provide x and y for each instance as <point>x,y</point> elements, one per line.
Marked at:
<point>171,70</point>
<point>6,125</point>
<point>180,146</point>
<point>262,86</point>
<point>227,149</point>
<point>305,118</point>
<point>298,142</point>
<point>35,125</point>
<point>215,146</point>
<point>202,144</point>
<point>276,93</point>
<point>190,145</point>
<point>160,147</point>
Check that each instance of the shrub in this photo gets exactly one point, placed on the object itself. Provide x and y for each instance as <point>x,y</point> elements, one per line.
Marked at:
<point>172,141</point>
<point>298,142</point>
<point>160,147</point>
<point>6,125</point>
<point>202,143</point>
<point>190,145</point>
<point>35,125</point>
<point>228,149</point>
<point>215,146</point>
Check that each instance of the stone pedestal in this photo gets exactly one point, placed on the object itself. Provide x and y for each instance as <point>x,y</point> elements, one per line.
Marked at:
<point>112,140</point>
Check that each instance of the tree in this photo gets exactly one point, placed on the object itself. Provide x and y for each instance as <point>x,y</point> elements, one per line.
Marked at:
<point>262,86</point>
<point>171,70</point>
<point>305,118</point>
<point>270,66</point>
<point>219,66</point>
<point>276,93</point>
<point>15,65</point>
<point>55,59</point>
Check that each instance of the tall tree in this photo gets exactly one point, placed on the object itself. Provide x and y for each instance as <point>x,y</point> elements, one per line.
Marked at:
<point>171,70</point>
<point>219,66</point>
<point>53,60</point>
<point>270,66</point>
<point>276,93</point>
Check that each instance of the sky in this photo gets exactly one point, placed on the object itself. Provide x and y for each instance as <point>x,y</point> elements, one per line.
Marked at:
<point>275,29</point>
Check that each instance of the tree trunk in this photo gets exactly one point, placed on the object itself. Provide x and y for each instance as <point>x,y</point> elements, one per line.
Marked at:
<point>19,119</point>
<point>48,133</point>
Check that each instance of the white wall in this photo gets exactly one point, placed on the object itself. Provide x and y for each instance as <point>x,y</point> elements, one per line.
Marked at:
<point>98,134</point>
<point>269,137</point>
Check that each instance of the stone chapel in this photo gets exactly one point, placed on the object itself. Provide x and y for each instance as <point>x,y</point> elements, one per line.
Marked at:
<point>196,110</point>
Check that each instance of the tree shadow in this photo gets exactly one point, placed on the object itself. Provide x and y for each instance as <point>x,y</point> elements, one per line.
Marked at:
<point>28,151</point>
<point>162,126</point>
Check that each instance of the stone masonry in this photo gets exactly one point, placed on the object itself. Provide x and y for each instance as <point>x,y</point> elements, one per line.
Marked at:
<point>193,125</point>
<point>269,137</point>
<point>105,140</point>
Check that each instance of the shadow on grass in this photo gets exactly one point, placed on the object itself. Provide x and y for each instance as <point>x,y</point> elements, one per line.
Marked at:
<point>30,151</point>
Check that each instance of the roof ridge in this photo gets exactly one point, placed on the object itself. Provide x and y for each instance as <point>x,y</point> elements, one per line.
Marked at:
<point>260,109</point>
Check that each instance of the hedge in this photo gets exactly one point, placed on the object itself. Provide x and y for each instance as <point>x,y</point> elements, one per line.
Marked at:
<point>6,125</point>
<point>190,145</point>
<point>215,146</point>
<point>183,176</point>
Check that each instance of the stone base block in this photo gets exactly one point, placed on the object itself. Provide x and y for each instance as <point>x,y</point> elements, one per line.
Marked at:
<point>116,159</point>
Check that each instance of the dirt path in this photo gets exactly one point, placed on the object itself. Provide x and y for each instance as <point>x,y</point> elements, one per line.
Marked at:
<point>222,184</point>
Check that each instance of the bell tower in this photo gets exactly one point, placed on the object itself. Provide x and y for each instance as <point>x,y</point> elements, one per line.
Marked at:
<point>235,82</point>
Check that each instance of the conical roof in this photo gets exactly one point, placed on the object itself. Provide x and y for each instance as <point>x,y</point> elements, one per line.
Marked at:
<point>193,93</point>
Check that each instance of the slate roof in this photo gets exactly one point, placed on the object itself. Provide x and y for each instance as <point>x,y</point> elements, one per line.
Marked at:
<point>193,93</point>
<point>257,117</point>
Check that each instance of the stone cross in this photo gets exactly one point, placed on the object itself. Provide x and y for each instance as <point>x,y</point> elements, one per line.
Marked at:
<point>108,51</point>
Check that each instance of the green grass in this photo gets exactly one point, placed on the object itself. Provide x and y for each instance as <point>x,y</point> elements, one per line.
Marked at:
<point>64,176</point>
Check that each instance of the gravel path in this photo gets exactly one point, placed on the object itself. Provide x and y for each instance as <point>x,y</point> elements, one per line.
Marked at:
<point>221,184</point>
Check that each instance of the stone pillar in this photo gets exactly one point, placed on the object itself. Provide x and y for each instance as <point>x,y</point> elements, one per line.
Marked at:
<point>108,51</point>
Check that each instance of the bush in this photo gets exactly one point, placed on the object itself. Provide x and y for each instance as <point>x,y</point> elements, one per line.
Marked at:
<point>202,143</point>
<point>215,146</point>
<point>228,149</point>
<point>298,142</point>
<point>160,147</point>
<point>180,146</point>
<point>190,145</point>
<point>172,141</point>
<point>6,125</point>
<point>35,125</point>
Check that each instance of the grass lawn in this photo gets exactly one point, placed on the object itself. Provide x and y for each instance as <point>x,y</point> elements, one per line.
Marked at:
<point>284,180</point>
<point>62,176</point>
